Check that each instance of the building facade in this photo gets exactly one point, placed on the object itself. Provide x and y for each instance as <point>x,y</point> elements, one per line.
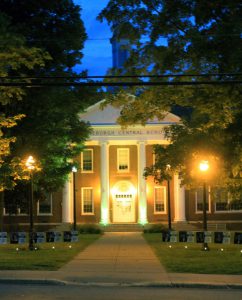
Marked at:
<point>109,187</point>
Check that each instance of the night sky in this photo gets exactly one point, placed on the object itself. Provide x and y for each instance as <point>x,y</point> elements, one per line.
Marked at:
<point>97,52</point>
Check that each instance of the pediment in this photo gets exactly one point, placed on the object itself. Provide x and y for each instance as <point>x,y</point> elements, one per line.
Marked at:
<point>108,115</point>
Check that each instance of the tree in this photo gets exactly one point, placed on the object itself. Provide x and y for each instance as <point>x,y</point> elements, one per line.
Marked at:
<point>51,129</point>
<point>185,37</point>
<point>16,57</point>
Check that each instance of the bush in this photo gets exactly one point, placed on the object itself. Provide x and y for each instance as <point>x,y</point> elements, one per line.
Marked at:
<point>89,228</point>
<point>155,228</point>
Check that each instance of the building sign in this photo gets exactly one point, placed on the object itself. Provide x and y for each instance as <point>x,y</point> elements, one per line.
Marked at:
<point>129,132</point>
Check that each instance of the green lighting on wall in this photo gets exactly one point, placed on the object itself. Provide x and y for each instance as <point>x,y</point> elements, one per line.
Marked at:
<point>143,216</point>
<point>104,216</point>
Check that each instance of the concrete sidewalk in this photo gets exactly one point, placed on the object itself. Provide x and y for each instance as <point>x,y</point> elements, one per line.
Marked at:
<point>119,259</point>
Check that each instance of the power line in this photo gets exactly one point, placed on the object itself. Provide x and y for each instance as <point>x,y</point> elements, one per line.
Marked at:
<point>149,83</point>
<point>120,76</point>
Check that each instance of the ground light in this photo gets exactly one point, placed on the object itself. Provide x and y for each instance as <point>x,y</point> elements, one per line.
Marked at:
<point>204,167</point>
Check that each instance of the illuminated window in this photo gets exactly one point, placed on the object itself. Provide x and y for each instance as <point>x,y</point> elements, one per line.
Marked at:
<point>87,201</point>
<point>160,200</point>
<point>87,160</point>
<point>123,159</point>
<point>199,200</point>
<point>45,205</point>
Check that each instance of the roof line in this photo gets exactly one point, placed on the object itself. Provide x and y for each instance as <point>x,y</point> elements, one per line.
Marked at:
<point>155,123</point>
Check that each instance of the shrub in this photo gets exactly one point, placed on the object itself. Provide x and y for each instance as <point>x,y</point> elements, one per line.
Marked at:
<point>89,228</point>
<point>155,228</point>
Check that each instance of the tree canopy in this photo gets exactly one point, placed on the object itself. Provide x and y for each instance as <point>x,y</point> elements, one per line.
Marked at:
<point>51,129</point>
<point>15,56</point>
<point>189,38</point>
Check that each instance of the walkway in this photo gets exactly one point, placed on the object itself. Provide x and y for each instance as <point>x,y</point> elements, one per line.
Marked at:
<point>116,258</point>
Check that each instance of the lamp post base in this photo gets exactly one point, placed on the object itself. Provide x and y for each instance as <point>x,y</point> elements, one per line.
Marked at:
<point>205,247</point>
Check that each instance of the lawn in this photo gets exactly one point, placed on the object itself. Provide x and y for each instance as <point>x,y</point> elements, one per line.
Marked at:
<point>49,256</point>
<point>178,259</point>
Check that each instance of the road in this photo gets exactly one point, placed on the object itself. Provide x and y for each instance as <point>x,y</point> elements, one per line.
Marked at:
<point>46,292</point>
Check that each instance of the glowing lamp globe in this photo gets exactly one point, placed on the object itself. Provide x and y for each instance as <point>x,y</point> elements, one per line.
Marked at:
<point>204,166</point>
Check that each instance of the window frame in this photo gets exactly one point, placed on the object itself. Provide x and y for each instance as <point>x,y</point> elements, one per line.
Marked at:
<point>225,210</point>
<point>82,161</point>
<point>128,160</point>
<point>208,201</point>
<point>51,208</point>
<point>165,200</point>
<point>82,201</point>
<point>18,214</point>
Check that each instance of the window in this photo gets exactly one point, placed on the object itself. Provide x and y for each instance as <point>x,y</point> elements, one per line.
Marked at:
<point>14,209</point>
<point>123,159</point>
<point>154,158</point>
<point>16,201</point>
<point>199,200</point>
<point>224,202</point>
<point>87,201</point>
<point>23,208</point>
<point>45,205</point>
<point>160,200</point>
<point>87,160</point>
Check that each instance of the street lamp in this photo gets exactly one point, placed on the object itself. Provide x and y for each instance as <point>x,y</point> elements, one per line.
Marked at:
<point>74,170</point>
<point>30,164</point>
<point>204,166</point>
<point>168,200</point>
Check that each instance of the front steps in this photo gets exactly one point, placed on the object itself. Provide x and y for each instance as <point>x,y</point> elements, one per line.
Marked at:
<point>123,228</point>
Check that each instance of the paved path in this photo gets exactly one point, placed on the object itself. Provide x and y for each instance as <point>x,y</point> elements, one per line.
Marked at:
<point>119,259</point>
<point>116,258</point>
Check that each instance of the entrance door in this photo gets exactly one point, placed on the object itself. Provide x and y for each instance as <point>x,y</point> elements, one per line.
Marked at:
<point>123,202</point>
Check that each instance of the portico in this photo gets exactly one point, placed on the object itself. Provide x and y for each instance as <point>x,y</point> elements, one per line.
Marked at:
<point>114,187</point>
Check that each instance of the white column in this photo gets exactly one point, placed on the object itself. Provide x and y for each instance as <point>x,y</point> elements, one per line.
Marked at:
<point>142,183</point>
<point>179,200</point>
<point>104,183</point>
<point>67,203</point>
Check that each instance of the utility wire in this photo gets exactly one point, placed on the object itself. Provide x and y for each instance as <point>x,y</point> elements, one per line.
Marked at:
<point>120,76</point>
<point>149,83</point>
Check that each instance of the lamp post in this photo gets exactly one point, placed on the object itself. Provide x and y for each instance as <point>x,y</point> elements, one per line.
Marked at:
<point>204,166</point>
<point>30,164</point>
<point>168,200</point>
<point>74,170</point>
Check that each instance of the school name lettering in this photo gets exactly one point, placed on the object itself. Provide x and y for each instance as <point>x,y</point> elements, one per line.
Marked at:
<point>103,132</point>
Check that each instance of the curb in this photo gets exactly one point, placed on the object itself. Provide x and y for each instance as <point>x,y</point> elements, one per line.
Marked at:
<point>57,282</point>
<point>33,281</point>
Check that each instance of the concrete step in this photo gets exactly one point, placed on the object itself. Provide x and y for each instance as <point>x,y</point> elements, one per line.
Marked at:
<point>123,228</point>
<point>184,227</point>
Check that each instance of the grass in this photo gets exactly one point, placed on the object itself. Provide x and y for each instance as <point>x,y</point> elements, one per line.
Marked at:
<point>45,258</point>
<point>178,259</point>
